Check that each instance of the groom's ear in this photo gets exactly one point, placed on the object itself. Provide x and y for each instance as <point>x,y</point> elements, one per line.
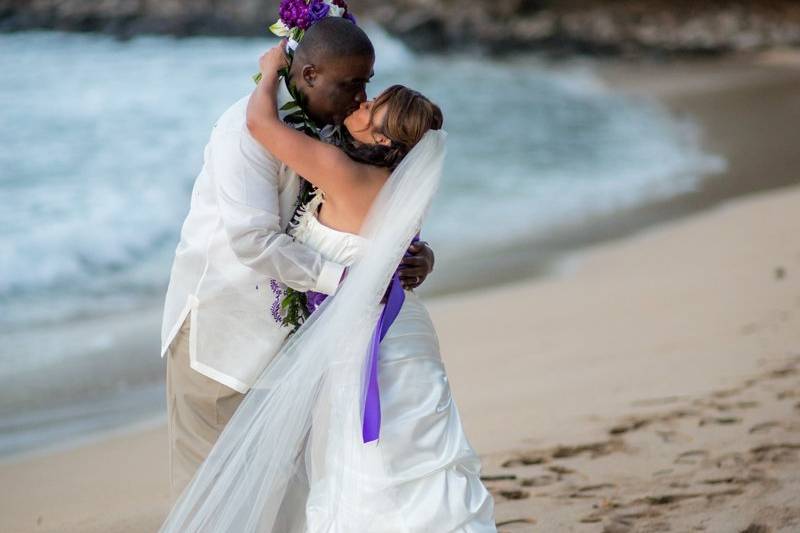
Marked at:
<point>309,73</point>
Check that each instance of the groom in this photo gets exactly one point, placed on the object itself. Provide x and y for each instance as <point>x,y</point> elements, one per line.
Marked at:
<point>218,333</point>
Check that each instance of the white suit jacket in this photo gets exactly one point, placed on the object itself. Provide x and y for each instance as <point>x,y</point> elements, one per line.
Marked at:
<point>232,243</point>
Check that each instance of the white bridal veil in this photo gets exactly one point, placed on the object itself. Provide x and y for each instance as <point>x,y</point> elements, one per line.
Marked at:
<point>292,457</point>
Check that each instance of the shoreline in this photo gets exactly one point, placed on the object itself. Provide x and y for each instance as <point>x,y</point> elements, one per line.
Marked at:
<point>718,96</point>
<point>709,93</point>
<point>638,370</point>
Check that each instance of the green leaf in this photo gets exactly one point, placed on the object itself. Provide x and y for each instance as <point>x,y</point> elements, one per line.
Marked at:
<point>299,97</point>
<point>294,119</point>
<point>290,105</point>
<point>257,78</point>
<point>280,29</point>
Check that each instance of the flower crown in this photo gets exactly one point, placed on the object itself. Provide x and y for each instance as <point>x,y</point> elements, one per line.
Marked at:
<point>296,16</point>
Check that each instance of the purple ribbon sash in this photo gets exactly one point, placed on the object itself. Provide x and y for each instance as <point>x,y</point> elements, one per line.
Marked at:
<point>371,398</point>
<point>371,426</point>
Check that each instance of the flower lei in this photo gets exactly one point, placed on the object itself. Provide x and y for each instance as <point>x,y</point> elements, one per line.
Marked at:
<point>292,307</point>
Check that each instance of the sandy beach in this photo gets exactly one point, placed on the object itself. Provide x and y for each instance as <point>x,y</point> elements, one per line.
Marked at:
<point>666,371</point>
<point>653,385</point>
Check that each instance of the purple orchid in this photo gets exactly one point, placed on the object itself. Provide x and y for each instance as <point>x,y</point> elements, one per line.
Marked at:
<point>318,10</point>
<point>313,300</point>
<point>295,13</point>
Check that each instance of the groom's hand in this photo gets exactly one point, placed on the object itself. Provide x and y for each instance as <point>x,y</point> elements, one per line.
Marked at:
<point>416,265</point>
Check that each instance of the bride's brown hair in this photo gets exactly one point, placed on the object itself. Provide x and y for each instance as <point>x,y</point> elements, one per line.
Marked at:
<point>409,115</point>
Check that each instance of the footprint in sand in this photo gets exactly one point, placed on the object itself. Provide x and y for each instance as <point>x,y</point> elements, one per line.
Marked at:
<point>723,480</point>
<point>514,494</point>
<point>756,528</point>
<point>719,420</point>
<point>560,470</point>
<point>595,449</point>
<point>783,372</point>
<point>631,425</point>
<point>691,457</point>
<point>602,508</point>
<point>514,521</point>
<point>525,459</point>
<point>673,436</point>
<point>730,460</point>
<point>673,498</point>
<point>625,522</point>
<point>627,517</point>
<point>539,481</point>
<point>764,426</point>
<point>742,404</point>
<point>663,472</point>
<point>727,393</point>
<point>784,452</point>
<point>590,491</point>
<point>788,394</point>
<point>504,477</point>
<point>538,457</point>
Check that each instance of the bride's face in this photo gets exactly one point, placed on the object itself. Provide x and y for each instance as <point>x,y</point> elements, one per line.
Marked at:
<point>364,124</point>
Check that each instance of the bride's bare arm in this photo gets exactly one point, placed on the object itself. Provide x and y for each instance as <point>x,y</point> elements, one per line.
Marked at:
<point>322,164</point>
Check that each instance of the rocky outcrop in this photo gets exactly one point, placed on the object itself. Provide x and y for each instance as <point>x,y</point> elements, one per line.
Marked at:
<point>611,27</point>
<point>130,17</point>
<point>597,27</point>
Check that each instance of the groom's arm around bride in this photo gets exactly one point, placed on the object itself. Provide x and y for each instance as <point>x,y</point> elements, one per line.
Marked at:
<point>218,333</point>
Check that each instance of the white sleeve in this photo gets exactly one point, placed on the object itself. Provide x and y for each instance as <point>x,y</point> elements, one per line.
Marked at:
<point>246,178</point>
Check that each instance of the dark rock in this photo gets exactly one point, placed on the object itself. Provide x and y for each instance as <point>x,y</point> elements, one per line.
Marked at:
<point>423,31</point>
<point>616,27</point>
<point>660,28</point>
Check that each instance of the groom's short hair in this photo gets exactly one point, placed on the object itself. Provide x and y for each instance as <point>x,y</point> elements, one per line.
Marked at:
<point>333,37</point>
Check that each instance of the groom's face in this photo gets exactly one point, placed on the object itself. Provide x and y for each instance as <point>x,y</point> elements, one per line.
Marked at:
<point>337,88</point>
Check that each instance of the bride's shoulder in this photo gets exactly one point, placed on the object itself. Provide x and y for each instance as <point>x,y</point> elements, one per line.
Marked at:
<point>376,176</point>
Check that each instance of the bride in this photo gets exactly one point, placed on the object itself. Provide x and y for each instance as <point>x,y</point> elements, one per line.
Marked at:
<point>338,436</point>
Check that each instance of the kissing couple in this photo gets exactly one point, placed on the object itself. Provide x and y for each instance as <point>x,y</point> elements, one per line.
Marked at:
<point>305,388</point>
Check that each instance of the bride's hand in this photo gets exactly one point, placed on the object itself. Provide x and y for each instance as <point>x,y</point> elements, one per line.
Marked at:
<point>273,60</point>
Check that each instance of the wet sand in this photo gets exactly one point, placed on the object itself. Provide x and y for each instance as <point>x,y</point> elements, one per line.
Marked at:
<point>654,388</point>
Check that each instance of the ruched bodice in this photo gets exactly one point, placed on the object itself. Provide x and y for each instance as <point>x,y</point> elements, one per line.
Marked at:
<point>339,246</point>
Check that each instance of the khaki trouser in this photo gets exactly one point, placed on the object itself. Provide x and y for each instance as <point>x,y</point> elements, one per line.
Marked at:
<point>197,410</point>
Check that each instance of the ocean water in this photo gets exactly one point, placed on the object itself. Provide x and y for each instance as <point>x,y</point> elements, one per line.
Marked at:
<point>100,141</point>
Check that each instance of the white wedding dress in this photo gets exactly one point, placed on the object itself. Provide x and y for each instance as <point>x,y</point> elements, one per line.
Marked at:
<point>293,458</point>
<point>422,453</point>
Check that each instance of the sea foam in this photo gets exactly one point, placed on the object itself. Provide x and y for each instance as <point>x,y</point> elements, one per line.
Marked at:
<point>102,139</point>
